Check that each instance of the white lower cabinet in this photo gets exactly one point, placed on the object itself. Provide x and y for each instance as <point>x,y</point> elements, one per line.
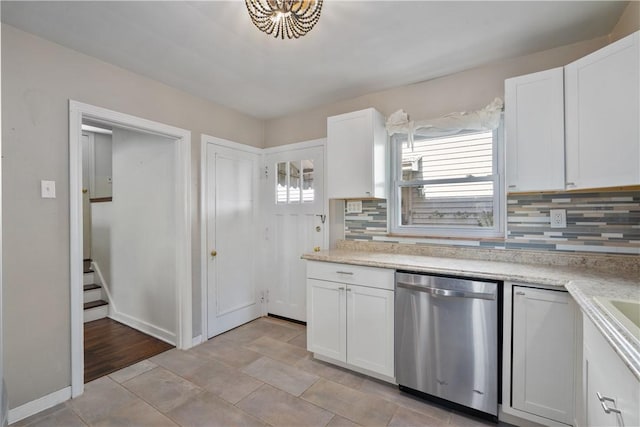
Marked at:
<point>539,354</point>
<point>370,329</point>
<point>348,321</point>
<point>326,319</point>
<point>611,391</point>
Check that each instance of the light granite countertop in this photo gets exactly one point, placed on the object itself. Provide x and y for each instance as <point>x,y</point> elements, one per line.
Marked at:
<point>583,285</point>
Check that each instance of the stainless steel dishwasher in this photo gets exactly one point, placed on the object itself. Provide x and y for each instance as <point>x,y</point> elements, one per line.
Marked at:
<point>446,339</point>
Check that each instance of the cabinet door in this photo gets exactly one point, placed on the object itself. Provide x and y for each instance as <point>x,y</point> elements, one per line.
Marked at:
<point>356,155</point>
<point>370,329</point>
<point>326,319</point>
<point>602,110</point>
<point>605,373</point>
<point>543,353</point>
<point>534,120</point>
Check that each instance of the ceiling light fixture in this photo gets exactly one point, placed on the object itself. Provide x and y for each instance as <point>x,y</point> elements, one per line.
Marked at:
<point>280,18</point>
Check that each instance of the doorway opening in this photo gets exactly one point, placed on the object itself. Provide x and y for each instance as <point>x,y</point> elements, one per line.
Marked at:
<point>128,249</point>
<point>134,241</point>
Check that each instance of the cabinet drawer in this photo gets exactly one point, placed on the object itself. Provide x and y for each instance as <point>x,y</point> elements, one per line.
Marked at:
<point>351,274</point>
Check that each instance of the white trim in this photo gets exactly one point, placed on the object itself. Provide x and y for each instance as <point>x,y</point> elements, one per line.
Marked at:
<point>39,405</point>
<point>141,325</point>
<point>321,142</point>
<point>3,394</point>
<point>204,326</point>
<point>78,111</point>
<point>196,341</point>
<point>230,144</point>
<point>146,327</point>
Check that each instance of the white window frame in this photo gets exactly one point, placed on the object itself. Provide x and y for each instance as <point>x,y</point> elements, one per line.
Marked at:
<point>499,208</point>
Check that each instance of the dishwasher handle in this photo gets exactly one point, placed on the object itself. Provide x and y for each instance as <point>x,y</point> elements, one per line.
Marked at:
<point>446,292</point>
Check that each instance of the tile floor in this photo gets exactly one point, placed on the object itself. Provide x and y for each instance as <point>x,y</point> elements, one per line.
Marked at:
<point>259,374</point>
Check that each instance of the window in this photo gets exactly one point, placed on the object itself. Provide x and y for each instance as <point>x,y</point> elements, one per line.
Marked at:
<point>447,186</point>
<point>294,182</point>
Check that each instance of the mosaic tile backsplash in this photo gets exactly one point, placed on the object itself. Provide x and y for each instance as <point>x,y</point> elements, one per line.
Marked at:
<point>596,222</point>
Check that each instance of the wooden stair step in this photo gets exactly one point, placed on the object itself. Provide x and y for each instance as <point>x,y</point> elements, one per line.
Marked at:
<point>87,271</point>
<point>91,287</point>
<point>94,304</point>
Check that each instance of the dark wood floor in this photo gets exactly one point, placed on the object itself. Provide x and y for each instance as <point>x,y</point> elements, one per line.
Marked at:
<point>110,346</point>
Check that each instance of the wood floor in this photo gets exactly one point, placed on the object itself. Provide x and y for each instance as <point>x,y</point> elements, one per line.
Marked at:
<point>110,346</point>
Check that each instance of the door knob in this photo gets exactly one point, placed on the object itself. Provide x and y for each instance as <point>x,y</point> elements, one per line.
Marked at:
<point>214,253</point>
<point>84,191</point>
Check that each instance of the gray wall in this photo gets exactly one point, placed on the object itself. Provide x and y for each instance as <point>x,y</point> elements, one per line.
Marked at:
<point>38,79</point>
<point>143,232</point>
<point>464,91</point>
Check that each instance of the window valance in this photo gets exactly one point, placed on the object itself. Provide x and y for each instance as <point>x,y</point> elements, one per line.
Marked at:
<point>487,118</point>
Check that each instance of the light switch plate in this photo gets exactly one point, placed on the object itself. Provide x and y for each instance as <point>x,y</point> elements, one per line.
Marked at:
<point>48,189</point>
<point>558,218</point>
<point>354,206</point>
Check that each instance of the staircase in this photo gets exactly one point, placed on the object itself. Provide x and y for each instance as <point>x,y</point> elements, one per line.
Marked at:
<point>95,304</point>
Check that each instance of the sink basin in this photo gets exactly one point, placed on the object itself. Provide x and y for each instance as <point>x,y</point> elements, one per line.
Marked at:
<point>631,309</point>
<point>626,312</point>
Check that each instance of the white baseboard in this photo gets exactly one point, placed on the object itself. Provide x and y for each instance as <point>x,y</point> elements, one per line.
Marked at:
<point>196,341</point>
<point>39,405</point>
<point>147,328</point>
<point>355,368</point>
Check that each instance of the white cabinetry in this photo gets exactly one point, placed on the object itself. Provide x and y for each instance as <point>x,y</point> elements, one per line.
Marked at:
<point>607,382</point>
<point>350,316</point>
<point>539,354</point>
<point>356,155</point>
<point>534,121</point>
<point>602,95</point>
<point>580,130</point>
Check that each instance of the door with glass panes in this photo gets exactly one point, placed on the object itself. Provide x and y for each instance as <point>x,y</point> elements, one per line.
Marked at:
<point>295,225</point>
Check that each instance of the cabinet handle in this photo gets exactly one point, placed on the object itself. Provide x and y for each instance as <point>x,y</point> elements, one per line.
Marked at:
<point>603,401</point>
<point>519,293</point>
<point>341,288</point>
<point>512,186</point>
<point>348,289</point>
<point>570,184</point>
<point>350,273</point>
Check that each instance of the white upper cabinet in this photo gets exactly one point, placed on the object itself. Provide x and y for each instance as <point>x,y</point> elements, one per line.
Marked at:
<point>602,95</point>
<point>534,121</point>
<point>356,155</point>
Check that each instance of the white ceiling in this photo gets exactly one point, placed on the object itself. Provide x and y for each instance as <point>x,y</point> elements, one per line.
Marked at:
<point>212,50</point>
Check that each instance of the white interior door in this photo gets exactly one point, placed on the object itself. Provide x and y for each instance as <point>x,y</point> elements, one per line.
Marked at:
<point>232,237</point>
<point>87,153</point>
<point>295,225</point>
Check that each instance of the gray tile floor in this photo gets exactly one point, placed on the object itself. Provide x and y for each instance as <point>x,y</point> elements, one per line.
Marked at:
<point>256,375</point>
